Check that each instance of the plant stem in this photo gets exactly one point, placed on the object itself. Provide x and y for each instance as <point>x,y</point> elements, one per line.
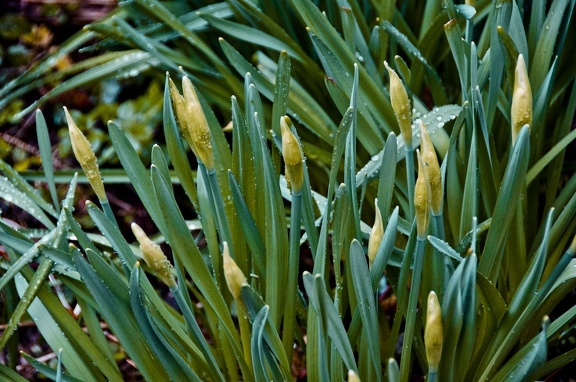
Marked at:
<point>217,204</point>
<point>293,266</point>
<point>196,332</point>
<point>411,311</point>
<point>108,211</point>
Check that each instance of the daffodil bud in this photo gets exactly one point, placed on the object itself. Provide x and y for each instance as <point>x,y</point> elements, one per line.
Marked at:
<point>521,113</point>
<point>432,169</point>
<point>375,235</point>
<point>433,333</point>
<point>154,257</point>
<point>180,111</point>
<point>293,157</point>
<point>234,276</point>
<point>422,199</point>
<point>86,157</point>
<point>352,376</point>
<point>400,104</point>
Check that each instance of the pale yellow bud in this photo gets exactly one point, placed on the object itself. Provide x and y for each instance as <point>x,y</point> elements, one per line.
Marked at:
<point>400,104</point>
<point>521,113</point>
<point>432,168</point>
<point>154,257</point>
<point>86,157</point>
<point>422,199</point>
<point>433,334</point>
<point>180,111</point>
<point>196,125</point>
<point>352,376</point>
<point>293,157</point>
<point>375,235</point>
<point>234,276</point>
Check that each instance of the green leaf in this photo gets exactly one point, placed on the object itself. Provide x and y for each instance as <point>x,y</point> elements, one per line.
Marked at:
<point>46,155</point>
<point>366,302</point>
<point>46,370</point>
<point>23,199</point>
<point>513,186</point>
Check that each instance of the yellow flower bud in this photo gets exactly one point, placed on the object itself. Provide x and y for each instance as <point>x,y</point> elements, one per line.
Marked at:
<point>432,169</point>
<point>234,276</point>
<point>293,157</point>
<point>400,105</point>
<point>521,113</point>
<point>433,334</point>
<point>422,199</point>
<point>86,157</point>
<point>375,235</point>
<point>154,257</point>
<point>352,376</point>
<point>180,111</point>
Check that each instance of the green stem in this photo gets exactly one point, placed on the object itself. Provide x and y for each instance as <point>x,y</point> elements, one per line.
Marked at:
<point>432,376</point>
<point>293,267</point>
<point>411,311</point>
<point>443,266</point>
<point>411,181</point>
<point>245,332</point>
<point>196,332</point>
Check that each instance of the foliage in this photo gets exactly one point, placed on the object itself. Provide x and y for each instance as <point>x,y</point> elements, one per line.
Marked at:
<point>498,252</point>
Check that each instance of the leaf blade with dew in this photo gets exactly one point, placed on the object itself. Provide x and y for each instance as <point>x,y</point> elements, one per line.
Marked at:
<point>46,155</point>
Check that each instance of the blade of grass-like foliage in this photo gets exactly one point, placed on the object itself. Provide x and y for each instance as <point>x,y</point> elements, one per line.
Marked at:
<point>178,371</point>
<point>445,248</point>
<point>350,156</point>
<point>252,35</point>
<point>471,188</point>
<point>249,228</point>
<point>366,303</point>
<point>111,232</point>
<point>11,194</point>
<point>436,85</point>
<point>258,361</point>
<point>121,320</point>
<point>46,155</point>
<point>513,185</point>
<point>387,175</point>
<point>8,374</point>
<point>125,63</point>
<point>522,370</point>
<point>254,305</point>
<point>136,172</point>
<point>158,159</point>
<point>546,42</point>
<point>189,256</point>
<point>20,183</point>
<point>300,105</point>
<point>45,370</point>
<point>324,307</point>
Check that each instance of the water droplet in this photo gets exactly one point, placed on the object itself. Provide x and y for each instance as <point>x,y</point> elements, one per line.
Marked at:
<point>375,157</point>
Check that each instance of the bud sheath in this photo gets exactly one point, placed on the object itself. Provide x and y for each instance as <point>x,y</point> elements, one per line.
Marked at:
<point>521,113</point>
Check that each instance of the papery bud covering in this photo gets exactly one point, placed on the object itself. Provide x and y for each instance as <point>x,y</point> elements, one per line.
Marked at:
<point>234,276</point>
<point>375,235</point>
<point>400,104</point>
<point>521,113</point>
<point>432,168</point>
<point>352,376</point>
<point>196,125</point>
<point>433,333</point>
<point>154,257</point>
<point>422,199</point>
<point>292,153</point>
<point>85,156</point>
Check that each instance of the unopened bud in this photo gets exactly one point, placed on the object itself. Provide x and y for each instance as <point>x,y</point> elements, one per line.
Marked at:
<point>433,334</point>
<point>86,157</point>
<point>352,376</point>
<point>293,157</point>
<point>400,104</point>
<point>154,257</point>
<point>375,235</point>
<point>521,113</point>
<point>422,199</point>
<point>234,276</point>
<point>432,168</point>
<point>180,111</point>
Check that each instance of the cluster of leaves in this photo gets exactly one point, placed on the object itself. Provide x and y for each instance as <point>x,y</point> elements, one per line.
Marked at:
<point>496,254</point>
